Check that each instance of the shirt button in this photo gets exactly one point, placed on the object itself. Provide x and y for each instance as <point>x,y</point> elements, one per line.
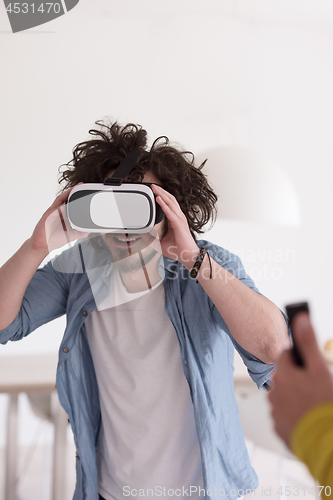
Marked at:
<point>173,268</point>
<point>77,457</point>
<point>84,313</point>
<point>66,349</point>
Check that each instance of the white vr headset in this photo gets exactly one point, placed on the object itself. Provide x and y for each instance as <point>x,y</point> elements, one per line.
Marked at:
<point>114,206</point>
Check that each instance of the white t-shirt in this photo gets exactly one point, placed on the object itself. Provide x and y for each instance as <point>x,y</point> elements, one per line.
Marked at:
<point>148,436</point>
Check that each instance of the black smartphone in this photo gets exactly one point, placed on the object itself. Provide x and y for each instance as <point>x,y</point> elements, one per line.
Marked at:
<point>292,310</point>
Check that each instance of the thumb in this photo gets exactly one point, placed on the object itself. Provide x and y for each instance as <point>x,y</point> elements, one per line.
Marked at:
<point>305,339</point>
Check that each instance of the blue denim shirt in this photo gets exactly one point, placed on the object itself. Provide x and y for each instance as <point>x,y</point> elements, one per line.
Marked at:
<point>73,284</point>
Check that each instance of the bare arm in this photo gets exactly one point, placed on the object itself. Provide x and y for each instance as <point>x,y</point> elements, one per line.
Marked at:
<point>16,273</point>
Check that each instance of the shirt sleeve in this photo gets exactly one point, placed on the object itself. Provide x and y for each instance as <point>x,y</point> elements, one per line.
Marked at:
<point>259,371</point>
<point>44,300</point>
<point>312,442</point>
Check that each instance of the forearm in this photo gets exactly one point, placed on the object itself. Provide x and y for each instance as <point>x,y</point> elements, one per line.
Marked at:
<point>254,321</point>
<point>15,275</point>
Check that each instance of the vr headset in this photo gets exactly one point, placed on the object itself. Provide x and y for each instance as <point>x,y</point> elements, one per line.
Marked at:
<point>114,206</point>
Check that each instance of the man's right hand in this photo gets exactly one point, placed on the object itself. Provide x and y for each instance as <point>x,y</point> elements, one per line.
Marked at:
<point>53,229</point>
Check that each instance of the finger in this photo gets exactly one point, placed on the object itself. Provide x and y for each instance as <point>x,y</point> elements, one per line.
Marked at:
<point>159,189</point>
<point>305,339</point>
<point>169,213</point>
<point>66,225</point>
<point>62,197</point>
<point>64,222</point>
<point>168,198</point>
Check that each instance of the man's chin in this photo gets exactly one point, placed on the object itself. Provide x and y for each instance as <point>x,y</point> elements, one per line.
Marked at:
<point>134,262</point>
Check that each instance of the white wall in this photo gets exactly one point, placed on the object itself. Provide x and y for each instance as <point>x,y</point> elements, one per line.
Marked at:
<point>255,73</point>
<point>252,72</point>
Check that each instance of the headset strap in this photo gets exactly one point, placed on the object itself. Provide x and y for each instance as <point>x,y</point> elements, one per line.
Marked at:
<point>124,168</point>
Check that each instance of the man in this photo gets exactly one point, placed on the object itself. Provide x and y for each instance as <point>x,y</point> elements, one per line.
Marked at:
<point>145,364</point>
<point>302,405</point>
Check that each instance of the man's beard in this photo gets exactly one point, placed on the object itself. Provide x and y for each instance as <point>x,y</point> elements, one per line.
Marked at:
<point>128,260</point>
<point>135,261</point>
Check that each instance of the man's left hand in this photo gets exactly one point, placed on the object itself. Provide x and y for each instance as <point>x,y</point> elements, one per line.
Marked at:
<point>178,242</point>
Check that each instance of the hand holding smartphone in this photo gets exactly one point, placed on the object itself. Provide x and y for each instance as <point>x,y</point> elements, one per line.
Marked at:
<point>292,310</point>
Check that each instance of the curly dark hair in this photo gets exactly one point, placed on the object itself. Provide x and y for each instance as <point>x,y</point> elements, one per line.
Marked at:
<point>94,159</point>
